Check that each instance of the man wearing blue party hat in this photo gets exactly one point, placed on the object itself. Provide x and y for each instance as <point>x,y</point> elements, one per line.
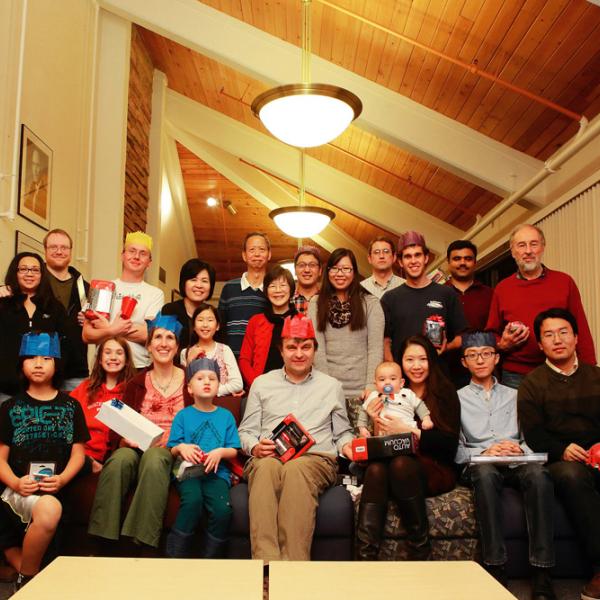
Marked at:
<point>489,428</point>
<point>136,258</point>
<point>42,437</point>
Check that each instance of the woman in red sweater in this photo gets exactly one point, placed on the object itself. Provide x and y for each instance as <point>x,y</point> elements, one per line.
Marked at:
<point>260,348</point>
<point>112,369</point>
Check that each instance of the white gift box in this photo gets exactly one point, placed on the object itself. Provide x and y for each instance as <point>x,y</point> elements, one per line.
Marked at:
<point>520,459</point>
<point>129,424</point>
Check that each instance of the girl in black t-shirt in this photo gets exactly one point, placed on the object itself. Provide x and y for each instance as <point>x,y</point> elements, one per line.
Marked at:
<point>42,436</point>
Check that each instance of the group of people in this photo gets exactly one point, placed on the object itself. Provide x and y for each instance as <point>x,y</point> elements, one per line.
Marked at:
<point>380,356</point>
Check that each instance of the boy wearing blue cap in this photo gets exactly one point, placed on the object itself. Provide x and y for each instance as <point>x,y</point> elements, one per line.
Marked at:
<point>204,433</point>
<point>42,436</point>
<point>489,427</point>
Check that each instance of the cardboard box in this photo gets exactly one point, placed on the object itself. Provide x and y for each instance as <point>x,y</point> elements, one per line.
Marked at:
<point>291,439</point>
<point>129,424</point>
<point>189,470</point>
<point>383,446</point>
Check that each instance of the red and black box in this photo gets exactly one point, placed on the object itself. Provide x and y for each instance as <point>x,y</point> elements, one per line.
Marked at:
<point>384,446</point>
<point>291,439</point>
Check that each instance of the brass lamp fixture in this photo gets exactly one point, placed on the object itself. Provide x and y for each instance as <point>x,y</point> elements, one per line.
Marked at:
<point>306,114</point>
<point>302,221</point>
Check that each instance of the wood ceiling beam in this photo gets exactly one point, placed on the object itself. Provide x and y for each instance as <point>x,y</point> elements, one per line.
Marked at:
<point>265,190</point>
<point>387,114</point>
<point>335,187</point>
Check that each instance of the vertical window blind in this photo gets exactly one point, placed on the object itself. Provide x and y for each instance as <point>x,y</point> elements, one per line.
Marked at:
<point>573,246</point>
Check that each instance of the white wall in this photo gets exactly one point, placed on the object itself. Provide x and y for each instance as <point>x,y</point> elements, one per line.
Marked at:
<point>50,87</point>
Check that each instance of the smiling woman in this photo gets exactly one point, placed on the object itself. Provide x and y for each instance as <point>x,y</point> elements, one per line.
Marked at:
<point>158,394</point>
<point>196,285</point>
<point>349,325</point>
<point>31,306</point>
<point>260,348</point>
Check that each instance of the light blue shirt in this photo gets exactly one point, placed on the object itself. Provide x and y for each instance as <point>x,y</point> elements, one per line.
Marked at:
<point>487,417</point>
<point>317,402</point>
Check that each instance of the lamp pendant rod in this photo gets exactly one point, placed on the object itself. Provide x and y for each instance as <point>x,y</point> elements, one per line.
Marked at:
<point>301,195</point>
<point>306,28</point>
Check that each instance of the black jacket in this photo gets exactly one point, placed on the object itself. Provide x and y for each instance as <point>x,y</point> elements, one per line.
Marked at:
<point>77,365</point>
<point>14,322</point>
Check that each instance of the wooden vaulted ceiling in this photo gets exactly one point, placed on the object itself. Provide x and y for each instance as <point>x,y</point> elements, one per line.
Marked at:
<point>549,48</point>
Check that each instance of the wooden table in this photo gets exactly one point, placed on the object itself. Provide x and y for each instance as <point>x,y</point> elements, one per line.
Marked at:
<point>442,580</point>
<point>94,578</point>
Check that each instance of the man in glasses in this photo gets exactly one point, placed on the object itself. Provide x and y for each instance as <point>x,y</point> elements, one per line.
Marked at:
<point>70,289</point>
<point>136,258</point>
<point>309,268</point>
<point>382,256</point>
<point>519,298</point>
<point>559,411</point>
<point>410,307</point>
<point>489,428</point>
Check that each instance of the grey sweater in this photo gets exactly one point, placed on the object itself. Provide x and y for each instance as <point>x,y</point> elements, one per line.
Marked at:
<point>351,356</point>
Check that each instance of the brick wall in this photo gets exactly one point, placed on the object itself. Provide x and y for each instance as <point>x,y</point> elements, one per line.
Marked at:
<point>138,132</point>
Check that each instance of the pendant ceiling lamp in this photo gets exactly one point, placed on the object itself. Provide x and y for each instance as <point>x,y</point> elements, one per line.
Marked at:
<point>302,221</point>
<point>306,114</point>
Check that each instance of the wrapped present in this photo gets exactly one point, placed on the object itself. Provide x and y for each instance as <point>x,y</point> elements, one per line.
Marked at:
<point>291,439</point>
<point>100,299</point>
<point>383,446</point>
<point>190,470</point>
<point>129,424</point>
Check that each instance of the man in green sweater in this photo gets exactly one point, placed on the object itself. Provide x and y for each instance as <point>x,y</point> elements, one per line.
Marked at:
<point>559,411</point>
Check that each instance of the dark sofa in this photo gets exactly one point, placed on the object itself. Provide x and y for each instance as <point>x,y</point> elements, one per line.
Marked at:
<point>452,525</point>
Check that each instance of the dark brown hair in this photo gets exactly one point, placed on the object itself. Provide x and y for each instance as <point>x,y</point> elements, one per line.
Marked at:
<point>358,320</point>
<point>98,374</point>
<point>440,396</point>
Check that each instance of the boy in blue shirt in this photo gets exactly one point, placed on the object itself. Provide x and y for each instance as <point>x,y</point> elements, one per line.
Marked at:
<point>197,429</point>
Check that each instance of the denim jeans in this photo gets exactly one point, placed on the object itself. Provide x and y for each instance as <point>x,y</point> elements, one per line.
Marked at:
<point>512,379</point>
<point>578,488</point>
<point>538,497</point>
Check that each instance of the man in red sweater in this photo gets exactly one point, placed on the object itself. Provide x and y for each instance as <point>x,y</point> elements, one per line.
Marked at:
<point>519,298</point>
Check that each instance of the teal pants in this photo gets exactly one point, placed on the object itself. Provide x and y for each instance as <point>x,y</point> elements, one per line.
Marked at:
<point>126,467</point>
<point>210,493</point>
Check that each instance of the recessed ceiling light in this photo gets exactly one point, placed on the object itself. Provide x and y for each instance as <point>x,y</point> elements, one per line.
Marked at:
<point>212,202</point>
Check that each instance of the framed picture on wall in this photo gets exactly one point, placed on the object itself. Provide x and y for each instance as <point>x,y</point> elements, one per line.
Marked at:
<point>25,243</point>
<point>35,179</point>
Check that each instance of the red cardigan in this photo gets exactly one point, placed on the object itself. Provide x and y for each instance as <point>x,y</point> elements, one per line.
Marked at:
<point>255,348</point>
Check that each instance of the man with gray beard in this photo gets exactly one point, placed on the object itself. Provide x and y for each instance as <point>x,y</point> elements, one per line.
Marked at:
<point>519,298</point>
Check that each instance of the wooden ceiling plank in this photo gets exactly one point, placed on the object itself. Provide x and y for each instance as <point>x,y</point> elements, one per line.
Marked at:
<point>547,66</point>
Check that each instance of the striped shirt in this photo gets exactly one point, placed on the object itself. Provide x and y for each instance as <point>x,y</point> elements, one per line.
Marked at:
<point>236,305</point>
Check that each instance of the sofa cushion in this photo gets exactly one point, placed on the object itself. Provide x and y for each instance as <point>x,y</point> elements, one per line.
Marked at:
<point>334,513</point>
<point>451,515</point>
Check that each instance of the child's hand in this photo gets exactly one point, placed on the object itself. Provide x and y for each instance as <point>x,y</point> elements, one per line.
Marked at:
<point>51,485</point>
<point>192,354</point>
<point>190,452</point>
<point>213,458</point>
<point>27,486</point>
<point>426,422</point>
<point>364,432</point>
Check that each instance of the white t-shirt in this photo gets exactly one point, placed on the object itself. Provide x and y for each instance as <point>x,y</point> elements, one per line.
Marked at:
<point>150,300</point>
